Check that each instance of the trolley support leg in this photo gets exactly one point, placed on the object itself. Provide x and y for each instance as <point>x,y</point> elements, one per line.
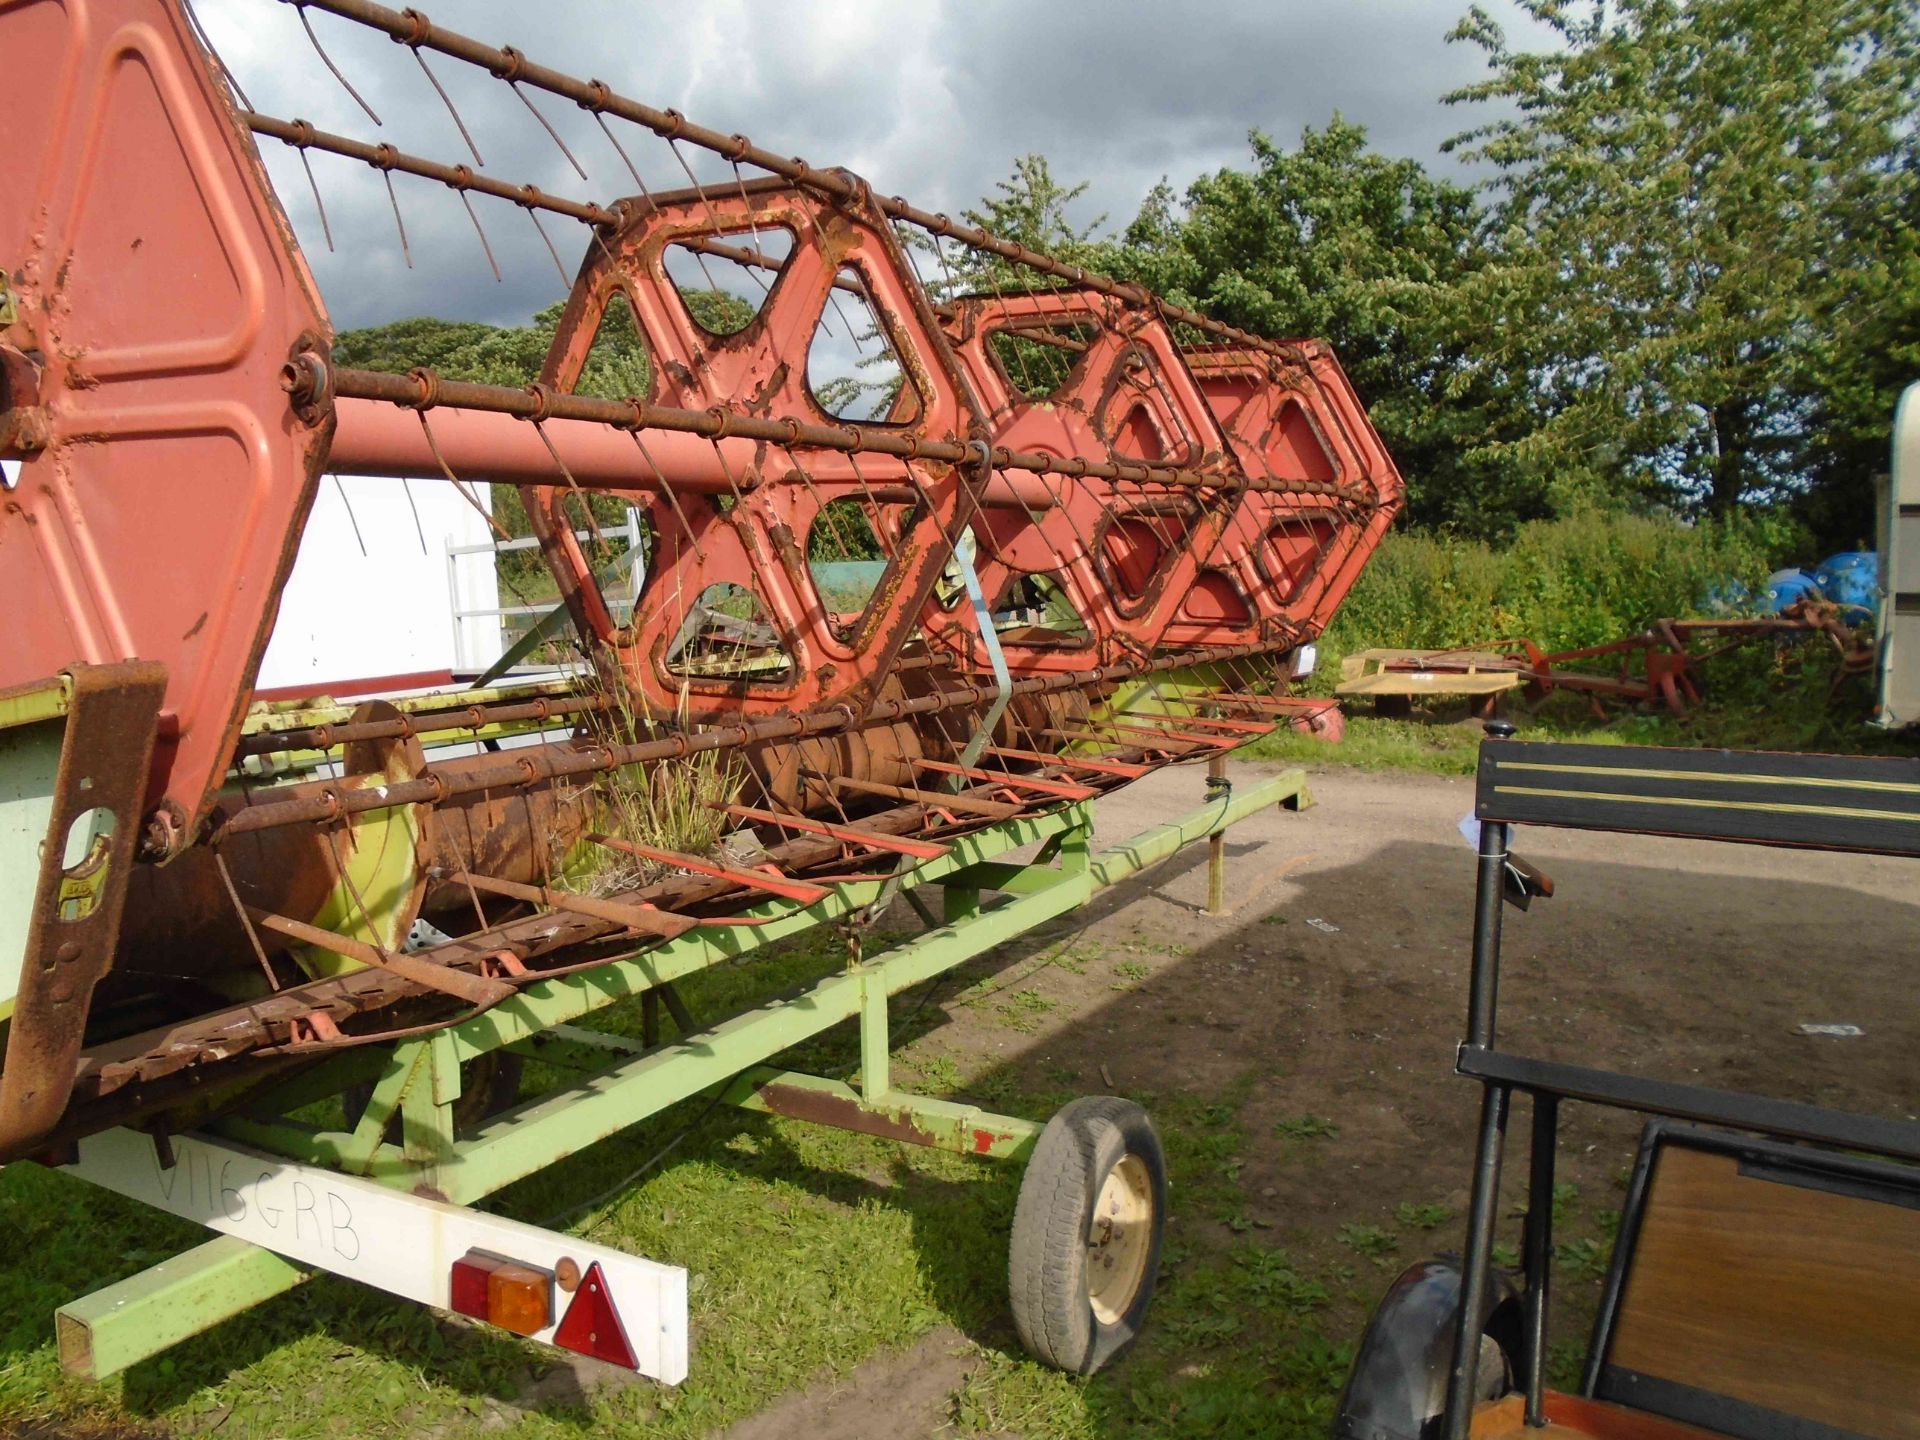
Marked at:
<point>650,1019</point>
<point>1546,1115</point>
<point>389,1093</point>
<point>1217,841</point>
<point>112,1329</point>
<point>958,903</point>
<point>874,1079</point>
<point>1075,843</point>
<point>426,1114</point>
<point>921,908</point>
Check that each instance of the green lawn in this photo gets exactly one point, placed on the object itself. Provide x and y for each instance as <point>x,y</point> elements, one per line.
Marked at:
<point>1753,701</point>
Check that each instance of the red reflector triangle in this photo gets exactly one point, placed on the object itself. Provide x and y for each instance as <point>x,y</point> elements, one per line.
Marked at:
<point>592,1326</point>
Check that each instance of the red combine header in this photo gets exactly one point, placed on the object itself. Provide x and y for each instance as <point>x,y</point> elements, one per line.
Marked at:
<point>1088,534</point>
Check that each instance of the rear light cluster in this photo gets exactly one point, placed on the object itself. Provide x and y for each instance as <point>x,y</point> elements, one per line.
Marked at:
<point>520,1297</point>
<point>503,1292</point>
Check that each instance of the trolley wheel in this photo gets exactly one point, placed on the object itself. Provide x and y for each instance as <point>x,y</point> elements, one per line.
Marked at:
<point>1086,1234</point>
<point>489,1083</point>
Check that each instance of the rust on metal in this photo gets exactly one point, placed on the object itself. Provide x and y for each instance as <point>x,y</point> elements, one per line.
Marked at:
<point>852,834</point>
<point>1084,763</point>
<point>1058,789</point>
<point>634,917</point>
<point>86,859</point>
<point>803,1102</point>
<point>767,879</point>
<point>474,989</point>
<point>1657,665</point>
<point>966,804</point>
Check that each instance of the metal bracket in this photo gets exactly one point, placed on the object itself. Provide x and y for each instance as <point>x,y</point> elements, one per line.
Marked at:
<point>1521,882</point>
<point>1003,682</point>
<point>113,714</point>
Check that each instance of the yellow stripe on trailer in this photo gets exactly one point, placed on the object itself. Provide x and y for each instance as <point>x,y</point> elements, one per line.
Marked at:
<point>1897,787</point>
<point>1773,808</point>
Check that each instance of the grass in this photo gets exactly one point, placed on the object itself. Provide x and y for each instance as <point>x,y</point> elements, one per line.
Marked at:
<point>670,806</point>
<point>1373,1241</point>
<point>1427,1216</point>
<point>1305,1127</point>
<point>1582,580</point>
<point>1758,702</point>
<point>1585,1258</point>
<point>1025,1009</point>
<point>1373,743</point>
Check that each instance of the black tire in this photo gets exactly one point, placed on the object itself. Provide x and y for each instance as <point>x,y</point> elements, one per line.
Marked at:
<point>1080,1283</point>
<point>1398,1383</point>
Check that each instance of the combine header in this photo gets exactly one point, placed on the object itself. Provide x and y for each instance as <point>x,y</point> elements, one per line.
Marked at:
<point>1089,533</point>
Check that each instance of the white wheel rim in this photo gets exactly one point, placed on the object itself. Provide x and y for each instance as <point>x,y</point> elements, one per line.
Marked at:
<point>1119,1235</point>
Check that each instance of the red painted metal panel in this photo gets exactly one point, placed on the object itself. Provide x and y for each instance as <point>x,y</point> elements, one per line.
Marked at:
<point>162,292</point>
<point>759,541</point>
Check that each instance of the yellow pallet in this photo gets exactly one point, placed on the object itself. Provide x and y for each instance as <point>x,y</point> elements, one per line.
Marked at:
<point>1465,673</point>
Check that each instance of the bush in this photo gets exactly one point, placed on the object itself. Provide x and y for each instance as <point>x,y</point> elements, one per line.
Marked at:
<point>1563,584</point>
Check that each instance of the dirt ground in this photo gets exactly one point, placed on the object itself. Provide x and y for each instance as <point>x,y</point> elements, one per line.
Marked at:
<point>1335,989</point>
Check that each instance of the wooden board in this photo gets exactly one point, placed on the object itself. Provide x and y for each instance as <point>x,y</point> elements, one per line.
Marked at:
<point>1455,673</point>
<point>1789,1297</point>
<point>1570,1417</point>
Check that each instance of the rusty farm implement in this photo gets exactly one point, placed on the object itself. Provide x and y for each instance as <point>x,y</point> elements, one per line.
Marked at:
<point>1093,534</point>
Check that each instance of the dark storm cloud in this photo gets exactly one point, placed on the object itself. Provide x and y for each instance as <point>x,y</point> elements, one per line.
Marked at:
<point>930,100</point>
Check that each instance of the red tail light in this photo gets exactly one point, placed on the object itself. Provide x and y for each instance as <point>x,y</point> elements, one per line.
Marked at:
<point>502,1292</point>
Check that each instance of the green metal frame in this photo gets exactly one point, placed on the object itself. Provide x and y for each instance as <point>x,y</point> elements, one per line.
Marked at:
<point>417,1082</point>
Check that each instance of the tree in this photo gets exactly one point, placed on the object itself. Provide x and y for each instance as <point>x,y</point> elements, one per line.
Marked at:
<point>1030,207</point>
<point>1849,400</point>
<point>1694,201</point>
<point>1849,387</point>
<point>508,355</point>
<point>618,365</point>
<point>1336,241</point>
<point>403,344</point>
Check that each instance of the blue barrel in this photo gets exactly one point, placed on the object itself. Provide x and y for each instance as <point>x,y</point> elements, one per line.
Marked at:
<point>1783,588</point>
<point>1851,578</point>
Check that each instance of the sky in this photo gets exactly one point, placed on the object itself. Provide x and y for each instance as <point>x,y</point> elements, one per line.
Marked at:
<point>930,99</point>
